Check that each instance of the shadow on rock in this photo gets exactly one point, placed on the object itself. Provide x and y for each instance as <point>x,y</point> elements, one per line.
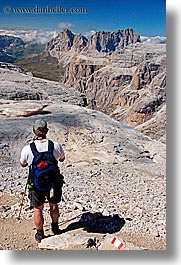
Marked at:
<point>97,223</point>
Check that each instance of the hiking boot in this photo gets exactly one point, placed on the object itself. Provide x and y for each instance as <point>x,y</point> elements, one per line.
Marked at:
<point>39,235</point>
<point>55,229</point>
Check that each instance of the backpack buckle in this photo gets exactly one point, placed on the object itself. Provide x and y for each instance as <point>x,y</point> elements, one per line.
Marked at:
<point>42,164</point>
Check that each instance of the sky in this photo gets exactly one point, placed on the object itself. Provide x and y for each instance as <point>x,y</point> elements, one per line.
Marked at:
<point>146,17</point>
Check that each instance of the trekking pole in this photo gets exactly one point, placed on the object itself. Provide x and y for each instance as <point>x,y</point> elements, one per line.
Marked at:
<point>24,193</point>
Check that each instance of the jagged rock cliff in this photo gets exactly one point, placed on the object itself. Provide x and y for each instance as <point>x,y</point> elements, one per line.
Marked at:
<point>129,85</point>
<point>119,75</point>
<point>108,42</point>
<point>66,45</point>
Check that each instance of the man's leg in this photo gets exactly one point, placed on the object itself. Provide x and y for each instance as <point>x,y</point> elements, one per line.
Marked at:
<point>38,217</point>
<point>37,199</point>
<point>54,213</point>
<point>39,221</point>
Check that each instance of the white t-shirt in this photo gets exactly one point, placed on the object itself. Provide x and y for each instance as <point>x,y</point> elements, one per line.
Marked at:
<point>42,146</point>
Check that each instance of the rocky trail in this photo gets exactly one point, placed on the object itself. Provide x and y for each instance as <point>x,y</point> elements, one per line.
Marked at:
<point>139,210</point>
<point>114,178</point>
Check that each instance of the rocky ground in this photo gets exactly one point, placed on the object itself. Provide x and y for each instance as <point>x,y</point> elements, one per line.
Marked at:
<point>110,169</point>
<point>115,177</point>
<point>137,198</point>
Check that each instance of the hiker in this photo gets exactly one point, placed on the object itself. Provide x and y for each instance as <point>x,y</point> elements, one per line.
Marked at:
<point>39,182</point>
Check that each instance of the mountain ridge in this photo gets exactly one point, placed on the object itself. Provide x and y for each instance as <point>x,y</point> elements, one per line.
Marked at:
<point>118,74</point>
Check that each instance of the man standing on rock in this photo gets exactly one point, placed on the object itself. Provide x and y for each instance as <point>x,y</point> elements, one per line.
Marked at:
<point>42,157</point>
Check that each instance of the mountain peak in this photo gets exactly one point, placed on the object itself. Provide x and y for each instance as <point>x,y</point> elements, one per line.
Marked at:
<point>105,41</point>
<point>66,32</point>
<point>66,41</point>
<point>101,41</point>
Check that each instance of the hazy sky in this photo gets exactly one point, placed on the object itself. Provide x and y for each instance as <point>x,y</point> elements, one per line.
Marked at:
<point>146,17</point>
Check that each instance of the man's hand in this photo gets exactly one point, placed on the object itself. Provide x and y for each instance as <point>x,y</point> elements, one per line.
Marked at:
<point>24,164</point>
<point>62,159</point>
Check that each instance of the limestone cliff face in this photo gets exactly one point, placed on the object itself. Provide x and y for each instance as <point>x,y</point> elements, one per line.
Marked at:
<point>96,55</point>
<point>119,75</point>
<point>104,41</point>
<point>129,85</point>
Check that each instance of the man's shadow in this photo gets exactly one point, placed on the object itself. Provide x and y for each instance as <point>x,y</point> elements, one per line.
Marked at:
<point>97,223</point>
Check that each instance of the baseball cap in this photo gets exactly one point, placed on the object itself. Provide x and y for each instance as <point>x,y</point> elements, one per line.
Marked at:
<point>40,124</point>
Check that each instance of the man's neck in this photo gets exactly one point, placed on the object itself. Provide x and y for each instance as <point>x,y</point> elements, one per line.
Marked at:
<point>39,138</point>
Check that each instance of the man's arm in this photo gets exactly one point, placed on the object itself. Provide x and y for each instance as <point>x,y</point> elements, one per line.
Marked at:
<point>58,152</point>
<point>23,158</point>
